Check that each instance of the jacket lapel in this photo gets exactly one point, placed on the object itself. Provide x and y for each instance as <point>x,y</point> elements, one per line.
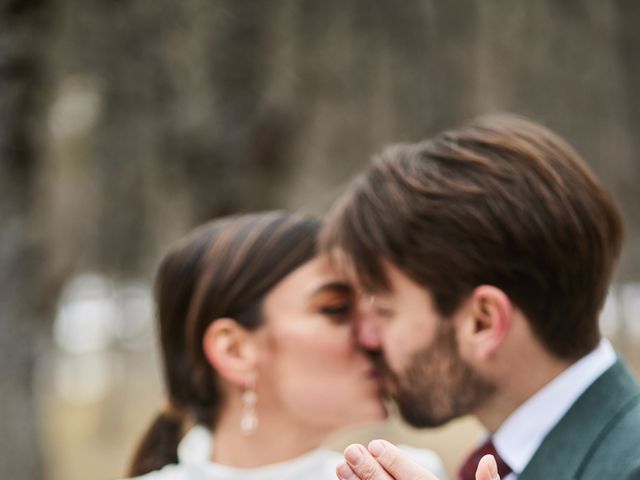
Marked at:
<point>565,448</point>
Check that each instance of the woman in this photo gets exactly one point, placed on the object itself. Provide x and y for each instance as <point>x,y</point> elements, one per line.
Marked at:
<point>259,358</point>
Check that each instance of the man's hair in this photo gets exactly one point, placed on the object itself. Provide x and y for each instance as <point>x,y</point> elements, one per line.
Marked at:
<point>501,201</point>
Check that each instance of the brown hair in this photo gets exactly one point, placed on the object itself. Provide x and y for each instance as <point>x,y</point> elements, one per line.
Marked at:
<point>222,269</point>
<point>500,201</point>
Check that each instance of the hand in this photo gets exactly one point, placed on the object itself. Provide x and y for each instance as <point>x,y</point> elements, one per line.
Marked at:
<point>487,469</point>
<point>384,461</point>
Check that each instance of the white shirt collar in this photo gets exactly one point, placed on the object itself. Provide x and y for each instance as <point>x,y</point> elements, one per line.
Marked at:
<point>195,448</point>
<point>521,434</point>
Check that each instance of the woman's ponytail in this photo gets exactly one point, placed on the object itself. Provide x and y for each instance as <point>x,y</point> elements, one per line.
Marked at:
<point>159,445</point>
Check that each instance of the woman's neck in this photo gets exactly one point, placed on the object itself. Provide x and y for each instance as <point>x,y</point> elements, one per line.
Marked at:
<point>274,440</point>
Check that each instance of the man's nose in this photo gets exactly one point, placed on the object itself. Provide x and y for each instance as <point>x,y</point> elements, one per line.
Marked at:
<point>368,330</point>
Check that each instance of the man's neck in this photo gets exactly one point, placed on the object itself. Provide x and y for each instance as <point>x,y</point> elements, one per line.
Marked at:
<point>524,379</point>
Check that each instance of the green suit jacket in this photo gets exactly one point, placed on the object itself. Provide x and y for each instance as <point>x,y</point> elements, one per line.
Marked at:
<point>598,438</point>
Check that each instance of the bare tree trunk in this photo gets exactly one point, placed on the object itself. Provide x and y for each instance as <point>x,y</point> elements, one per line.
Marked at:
<point>22,296</point>
<point>628,43</point>
<point>184,131</point>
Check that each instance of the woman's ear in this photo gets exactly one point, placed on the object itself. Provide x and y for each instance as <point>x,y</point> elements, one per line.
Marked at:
<point>230,349</point>
<point>486,321</point>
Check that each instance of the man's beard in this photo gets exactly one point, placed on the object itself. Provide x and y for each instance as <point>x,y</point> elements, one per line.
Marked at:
<point>437,385</point>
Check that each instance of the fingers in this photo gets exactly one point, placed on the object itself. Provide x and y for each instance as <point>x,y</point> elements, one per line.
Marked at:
<point>397,463</point>
<point>360,465</point>
<point>487,469</point>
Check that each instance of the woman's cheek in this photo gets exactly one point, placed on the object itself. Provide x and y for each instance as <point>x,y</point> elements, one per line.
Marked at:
<point>327,342</point>
<point>313,363</point>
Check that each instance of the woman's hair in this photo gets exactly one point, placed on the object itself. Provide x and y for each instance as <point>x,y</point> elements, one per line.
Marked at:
<point>222,269</point>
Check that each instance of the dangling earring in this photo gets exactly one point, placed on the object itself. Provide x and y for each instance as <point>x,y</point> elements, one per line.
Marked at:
<point>249,420</point>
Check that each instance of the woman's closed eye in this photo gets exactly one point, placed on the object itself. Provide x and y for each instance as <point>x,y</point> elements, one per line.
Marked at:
<point>338,311</point>
<point>334,300</point>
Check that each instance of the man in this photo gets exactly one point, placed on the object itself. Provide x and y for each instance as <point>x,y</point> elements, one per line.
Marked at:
<point>488,252</point>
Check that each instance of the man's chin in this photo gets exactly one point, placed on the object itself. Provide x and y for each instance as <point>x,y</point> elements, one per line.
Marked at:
<point>418,418</point>
<point>388,386</point>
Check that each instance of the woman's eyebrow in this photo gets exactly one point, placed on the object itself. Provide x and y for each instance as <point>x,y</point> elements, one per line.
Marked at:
<point>335,286</point>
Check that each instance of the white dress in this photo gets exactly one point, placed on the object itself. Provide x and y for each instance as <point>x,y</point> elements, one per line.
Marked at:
<point>194,463</point>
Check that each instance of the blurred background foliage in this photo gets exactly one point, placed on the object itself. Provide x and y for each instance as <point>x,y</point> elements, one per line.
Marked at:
<point>125,122</point>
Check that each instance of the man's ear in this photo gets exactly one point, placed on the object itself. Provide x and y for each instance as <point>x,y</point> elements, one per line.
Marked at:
<point>230,349</point>
<point>486,321</point>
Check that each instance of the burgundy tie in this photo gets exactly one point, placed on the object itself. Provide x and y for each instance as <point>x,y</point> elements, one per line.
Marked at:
<point>468,469</point>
